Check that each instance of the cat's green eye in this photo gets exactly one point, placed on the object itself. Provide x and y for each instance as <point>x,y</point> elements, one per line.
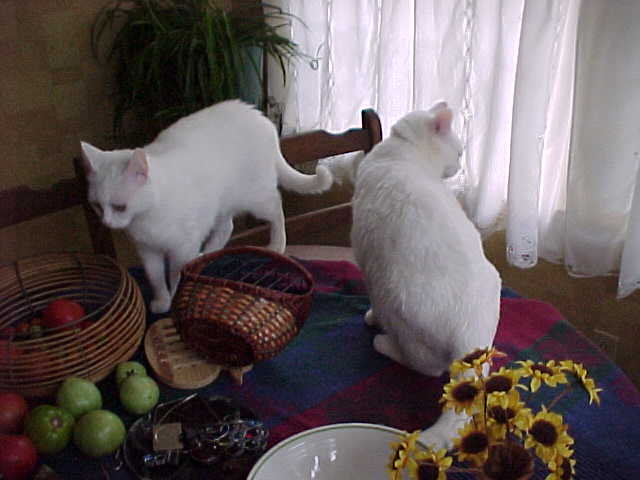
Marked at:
<point>119,208</point>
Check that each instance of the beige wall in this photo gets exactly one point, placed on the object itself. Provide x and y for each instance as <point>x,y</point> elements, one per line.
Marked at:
<point>52,94</point>
<point>52,91</point>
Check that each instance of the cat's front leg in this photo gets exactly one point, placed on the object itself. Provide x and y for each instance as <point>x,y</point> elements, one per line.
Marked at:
<point>153,262</point>
<point>442,433</point>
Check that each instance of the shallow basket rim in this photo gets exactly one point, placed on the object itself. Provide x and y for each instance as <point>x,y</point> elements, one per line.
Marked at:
<point>192,269</point>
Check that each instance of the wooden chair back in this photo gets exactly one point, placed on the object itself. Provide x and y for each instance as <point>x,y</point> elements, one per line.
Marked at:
<point>22,203</point>
<point>306,147</point>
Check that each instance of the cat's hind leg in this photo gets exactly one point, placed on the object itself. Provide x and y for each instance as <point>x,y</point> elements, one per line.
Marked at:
<point>220,234</point>
<point>153,262</point>
<point>270,209</point>
<point>178,257</point>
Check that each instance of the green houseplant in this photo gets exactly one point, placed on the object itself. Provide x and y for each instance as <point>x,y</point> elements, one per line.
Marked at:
<point>173,57</point>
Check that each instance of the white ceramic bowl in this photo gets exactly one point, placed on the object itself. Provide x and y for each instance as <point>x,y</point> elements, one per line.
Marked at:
<point>343,451</point>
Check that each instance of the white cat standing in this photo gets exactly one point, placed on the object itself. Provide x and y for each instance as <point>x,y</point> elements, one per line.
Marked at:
<point>177,196</point>
<point>433,293</point>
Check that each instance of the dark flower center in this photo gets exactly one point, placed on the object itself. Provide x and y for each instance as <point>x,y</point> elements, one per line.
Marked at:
<point>501,415</point>
<point>427,471</point>
<point>464,392</point>
<point>544,433</point>
<point>475,442</point>
<point>507,461</point>
<point>476,354</point>
<point>542,368</point>
<point>498,383</point>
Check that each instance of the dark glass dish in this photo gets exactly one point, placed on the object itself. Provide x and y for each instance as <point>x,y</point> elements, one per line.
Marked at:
<point>219,440</point>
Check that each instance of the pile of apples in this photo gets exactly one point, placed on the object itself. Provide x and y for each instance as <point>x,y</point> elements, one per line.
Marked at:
<point>57,315</point>
<point>76,416</point>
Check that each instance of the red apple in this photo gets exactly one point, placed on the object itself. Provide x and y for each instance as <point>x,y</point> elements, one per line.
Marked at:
<point>13,409</point>
<point>61,312</point>
<point>17,457</point>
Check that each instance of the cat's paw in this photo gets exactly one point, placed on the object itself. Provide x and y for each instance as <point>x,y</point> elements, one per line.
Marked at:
<point>160,305</point>
<point>277,247</point>
<point>441,434</point>
<point>385,345</point>
<point>436,439</point>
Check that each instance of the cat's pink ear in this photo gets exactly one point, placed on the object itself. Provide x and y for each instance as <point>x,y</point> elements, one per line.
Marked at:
<point>89,153</point>
<point>138,167</point>
<point>442,121</point>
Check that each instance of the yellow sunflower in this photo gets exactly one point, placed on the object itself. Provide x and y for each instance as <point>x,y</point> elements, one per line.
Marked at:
<point>400,453</point>
<point>506,413</point>
<point>430,465</point>
<point>500,383</point>
<point>561,468</point>
<point>548,373</point>
<point>471,444</point>
<point>587,383</point>
<point>548,435</point>
<point>463,395</point>
<point>474,360</point>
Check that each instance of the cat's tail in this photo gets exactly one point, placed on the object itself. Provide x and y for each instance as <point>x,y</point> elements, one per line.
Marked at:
<point>344,167</point>
<point>292,179</point>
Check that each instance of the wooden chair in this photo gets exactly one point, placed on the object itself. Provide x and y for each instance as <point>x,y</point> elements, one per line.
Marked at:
<point>305,147</point>
<point>23,203</point>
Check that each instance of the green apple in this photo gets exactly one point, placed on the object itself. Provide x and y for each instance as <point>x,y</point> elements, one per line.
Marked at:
<point>139,394</point>
<point>127,369</point>
<point>99,433</point>
<point>78,396</point>
<point>49,428</point>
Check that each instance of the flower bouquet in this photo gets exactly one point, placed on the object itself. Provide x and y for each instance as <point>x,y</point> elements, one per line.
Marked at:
<point>502,436</point>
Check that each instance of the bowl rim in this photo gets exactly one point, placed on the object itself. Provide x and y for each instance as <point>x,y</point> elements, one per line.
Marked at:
<point>334,426</point>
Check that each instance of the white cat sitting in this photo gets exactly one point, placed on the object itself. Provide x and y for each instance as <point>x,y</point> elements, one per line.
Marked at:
<point>177,196</point>
<point>433,293</point>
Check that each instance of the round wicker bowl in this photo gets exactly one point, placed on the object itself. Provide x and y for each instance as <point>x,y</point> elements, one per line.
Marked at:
<point>109,333</point>
<point>238,306</point>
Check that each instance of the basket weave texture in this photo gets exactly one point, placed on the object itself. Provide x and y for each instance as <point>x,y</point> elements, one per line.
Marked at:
<point>238,306</point>
<point>109,333</point>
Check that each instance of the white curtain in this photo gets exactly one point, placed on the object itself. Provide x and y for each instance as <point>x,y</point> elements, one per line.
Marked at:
<point>548,100</point>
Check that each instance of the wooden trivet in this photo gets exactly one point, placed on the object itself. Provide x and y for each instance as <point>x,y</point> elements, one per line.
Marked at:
<point>175,364</point>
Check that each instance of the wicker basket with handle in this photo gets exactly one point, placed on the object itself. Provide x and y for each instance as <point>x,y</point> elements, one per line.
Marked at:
<point>241,305</point>
<point>90,347</point>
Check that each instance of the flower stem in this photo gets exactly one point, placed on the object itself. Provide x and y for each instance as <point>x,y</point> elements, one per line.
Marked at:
<point>559,396</point>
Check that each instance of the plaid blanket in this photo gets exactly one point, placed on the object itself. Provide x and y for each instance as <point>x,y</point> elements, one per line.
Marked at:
<point>330,373</point>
